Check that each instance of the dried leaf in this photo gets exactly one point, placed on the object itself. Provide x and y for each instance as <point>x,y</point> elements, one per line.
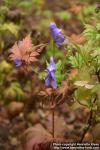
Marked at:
<point>84,84</point>
<point>25,51</point>
<point>39,48</point>
<point>47,92</point>
<point>14,108</point>
<point>73,71</point>
<point>96,132</point>
<point>78,39</point>
<point>37,138</point>
<point>75,8</point>
<point>15,53</point>
<point>27,43</point>
<point>34,137</point>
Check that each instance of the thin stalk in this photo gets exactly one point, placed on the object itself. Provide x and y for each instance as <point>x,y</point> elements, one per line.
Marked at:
<point>98,75</point>
<point>53,120</point>
<point>53,123</point>
<point>89,123</point>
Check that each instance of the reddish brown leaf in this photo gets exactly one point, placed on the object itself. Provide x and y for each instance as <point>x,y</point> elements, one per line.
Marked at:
<point>39,48</point>
<point>34,54</point>
<point>78,39</point>
<point>15,53</point>
<point>27,43</point>
<point>25,51</point>
<point>73,71</point>
<point>75,8</point>
<point>37,138</point>
<point>34,137</point>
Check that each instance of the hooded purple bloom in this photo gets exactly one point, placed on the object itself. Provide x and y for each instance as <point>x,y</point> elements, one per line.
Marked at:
<point>50,78</point>
<point>57,35</point>
<point>18,62</point>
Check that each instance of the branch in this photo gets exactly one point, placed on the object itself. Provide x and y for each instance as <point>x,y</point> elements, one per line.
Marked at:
<point>89,123</point>
<point>82,104</point>
<point>98,75</point>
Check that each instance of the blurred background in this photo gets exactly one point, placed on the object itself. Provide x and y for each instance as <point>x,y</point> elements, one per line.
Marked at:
<point>17,19</point>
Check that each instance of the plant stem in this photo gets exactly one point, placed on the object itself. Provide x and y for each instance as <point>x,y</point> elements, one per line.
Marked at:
<point>53,120</point>
<point>98,75</point>
<point>89,123</point>
<point>53,123</point>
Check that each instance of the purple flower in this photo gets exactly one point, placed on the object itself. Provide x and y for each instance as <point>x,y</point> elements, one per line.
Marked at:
<point>57,35</point>
<point>50,78</point>
<point>18,62</point>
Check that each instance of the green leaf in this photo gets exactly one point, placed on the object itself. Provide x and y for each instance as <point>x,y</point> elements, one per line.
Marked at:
<point>92,32</point>
<point>47,13</point>
<point>25,4</point>
<point>42,75</point>
<point>60,75</point>
<point>13,28</point>
<point>64,15</point>
<point>82,94</point>
<point>76,60</point>
<point>53,50</point>
<point>5,67</point>
<point>14,91</point>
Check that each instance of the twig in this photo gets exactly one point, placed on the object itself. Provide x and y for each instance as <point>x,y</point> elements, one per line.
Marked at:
<point>82,104</point>
<point>53,124</point>
<point>53,120</point>
<point>98,75</point>
<point>89,123</point>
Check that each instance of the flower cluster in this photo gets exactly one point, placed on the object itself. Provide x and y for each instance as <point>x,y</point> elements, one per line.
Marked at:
<point>50,78</point>
<point>57,35</point>
<point>18,62</point>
